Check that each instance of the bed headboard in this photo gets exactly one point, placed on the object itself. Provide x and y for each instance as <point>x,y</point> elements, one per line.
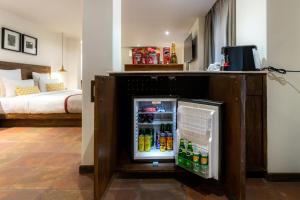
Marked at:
<point>26,69</point>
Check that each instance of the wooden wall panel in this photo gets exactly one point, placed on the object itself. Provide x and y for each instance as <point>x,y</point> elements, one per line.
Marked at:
<point>26,69</point>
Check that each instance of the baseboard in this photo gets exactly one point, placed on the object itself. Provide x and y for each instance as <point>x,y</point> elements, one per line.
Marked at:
<point>86,169</point>
<point>256,174</point>
<point>283,177</point>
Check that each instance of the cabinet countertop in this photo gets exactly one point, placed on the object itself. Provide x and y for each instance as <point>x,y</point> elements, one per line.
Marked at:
<point>124,73</point>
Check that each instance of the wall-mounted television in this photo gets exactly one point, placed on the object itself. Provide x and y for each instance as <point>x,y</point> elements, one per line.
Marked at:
<point>190,49</point>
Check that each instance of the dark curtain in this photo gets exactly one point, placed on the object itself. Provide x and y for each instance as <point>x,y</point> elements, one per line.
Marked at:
<point>220,30</point>
<point>208,40</point>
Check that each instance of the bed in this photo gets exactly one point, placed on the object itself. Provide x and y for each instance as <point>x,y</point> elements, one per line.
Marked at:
<point>47,109</point>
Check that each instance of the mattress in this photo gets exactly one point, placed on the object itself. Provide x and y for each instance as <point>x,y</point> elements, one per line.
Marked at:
<point>66,101</point>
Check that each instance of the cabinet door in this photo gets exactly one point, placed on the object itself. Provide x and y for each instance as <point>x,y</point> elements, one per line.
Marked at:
<point>105,133</point>
<point>231,89</point>
<point>198,133</point>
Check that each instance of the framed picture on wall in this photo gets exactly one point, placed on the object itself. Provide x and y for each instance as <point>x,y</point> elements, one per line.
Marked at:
<point>30,44</point>
<point>11,40</point>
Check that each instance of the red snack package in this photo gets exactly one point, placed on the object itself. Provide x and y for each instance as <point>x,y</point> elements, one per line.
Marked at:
<point>166,54</point>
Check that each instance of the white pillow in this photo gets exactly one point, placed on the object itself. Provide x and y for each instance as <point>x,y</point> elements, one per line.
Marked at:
<point>8,74</point>
<point>44,82</point>
<point>39,76</point>
<point>11,85</point>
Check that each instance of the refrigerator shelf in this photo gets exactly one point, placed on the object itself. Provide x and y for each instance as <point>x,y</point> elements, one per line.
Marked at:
<point>154,154</point>
<point>156,113</point>
<point>157,123</point>
<point>201,170</point>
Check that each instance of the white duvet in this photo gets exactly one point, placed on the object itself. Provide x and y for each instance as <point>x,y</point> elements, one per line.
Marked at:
<point>43,103</point>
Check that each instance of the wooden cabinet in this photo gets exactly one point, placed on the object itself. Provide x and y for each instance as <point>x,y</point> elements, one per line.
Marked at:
<point>244,123</point>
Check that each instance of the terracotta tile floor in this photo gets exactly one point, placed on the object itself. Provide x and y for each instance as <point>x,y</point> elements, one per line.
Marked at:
<point>42,164</point>
<point>168,189</point>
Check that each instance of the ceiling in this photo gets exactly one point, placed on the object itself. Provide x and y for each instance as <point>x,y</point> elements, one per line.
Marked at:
<point>144,22</point>
<point>56,15</point>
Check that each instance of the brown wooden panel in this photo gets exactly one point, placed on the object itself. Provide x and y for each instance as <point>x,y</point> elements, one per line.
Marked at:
<point>264,118</point>
<point>61,116</point>
<point>256,126</point>
<point>148,167</point>
<point>40,120</point>
<point>255,138</point>
<point>159,67</point>
<point>26,69</point>
<point>231,89</point>
<point>105,133</point>
<point>254,85</point>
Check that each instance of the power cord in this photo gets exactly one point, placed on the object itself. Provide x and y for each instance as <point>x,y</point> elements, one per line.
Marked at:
<point>278,70</point>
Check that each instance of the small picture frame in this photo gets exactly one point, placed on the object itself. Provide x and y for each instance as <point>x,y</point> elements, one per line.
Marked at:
<point>11,40</point>
<point>30,44</point>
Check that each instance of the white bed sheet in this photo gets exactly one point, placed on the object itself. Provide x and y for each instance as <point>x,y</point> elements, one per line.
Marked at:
<point>42,103</point>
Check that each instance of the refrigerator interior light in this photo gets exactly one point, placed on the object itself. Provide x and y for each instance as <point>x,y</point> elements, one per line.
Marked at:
<point>156,102</point>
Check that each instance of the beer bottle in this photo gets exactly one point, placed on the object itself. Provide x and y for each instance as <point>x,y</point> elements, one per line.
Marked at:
<point>163,142</point>
<point>204,162</point>
<point>148,140</point>
<point>170,128</point>
<point>196,160</point>
<point>141,146</point>
<point>169,141</point>
<point>173,54</point>
<point>189,155</point>
<point>181,152</point>
<point>152,137</point>
<point>167,128</point>
<point>162,128</point>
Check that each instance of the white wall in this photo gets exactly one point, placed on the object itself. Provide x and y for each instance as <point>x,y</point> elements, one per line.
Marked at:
<point>275,28</point>
<point>283,100</point>
<point>197,30</point>
<point>126,56</point>
<point>49,47</point>
<point>73,63</point>
<point>251,24</point>
<point>101,53</point>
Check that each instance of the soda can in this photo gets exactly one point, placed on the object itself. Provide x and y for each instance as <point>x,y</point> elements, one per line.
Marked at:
<point>157,140</point>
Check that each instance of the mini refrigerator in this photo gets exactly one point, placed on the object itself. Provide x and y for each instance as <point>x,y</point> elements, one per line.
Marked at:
<point>183,131</point>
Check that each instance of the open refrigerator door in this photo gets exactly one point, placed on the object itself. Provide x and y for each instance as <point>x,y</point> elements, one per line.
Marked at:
<point>198,137</point>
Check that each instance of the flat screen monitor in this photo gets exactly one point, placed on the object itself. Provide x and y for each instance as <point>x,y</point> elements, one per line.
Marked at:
<point>188,49</point>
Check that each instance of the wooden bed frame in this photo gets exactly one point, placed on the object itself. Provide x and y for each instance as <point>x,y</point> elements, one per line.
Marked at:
<point>36,120</point>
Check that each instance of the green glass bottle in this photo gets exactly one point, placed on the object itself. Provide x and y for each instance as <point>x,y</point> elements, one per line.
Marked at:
<point>173,54</point>
<point>189,156</point>
<point>181,152</point>
<point>152,137</point>
<point>204,162</point>
<point>196,160</point>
